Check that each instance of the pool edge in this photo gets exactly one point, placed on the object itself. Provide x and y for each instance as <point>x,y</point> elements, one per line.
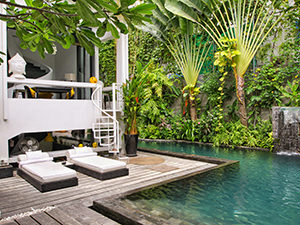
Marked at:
<point>109,206</point>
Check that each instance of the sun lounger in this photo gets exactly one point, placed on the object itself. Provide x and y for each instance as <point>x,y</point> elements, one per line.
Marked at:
<point>86,161</point>
<point>38,169</point>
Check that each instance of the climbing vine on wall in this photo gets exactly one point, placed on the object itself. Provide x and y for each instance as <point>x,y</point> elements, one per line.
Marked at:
<point>144,47</point>
<point>107,62</point>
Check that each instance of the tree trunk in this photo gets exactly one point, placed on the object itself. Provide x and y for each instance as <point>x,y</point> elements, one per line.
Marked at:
<point>240,93</point>
<point>133,128</point>
<point>193,112</point>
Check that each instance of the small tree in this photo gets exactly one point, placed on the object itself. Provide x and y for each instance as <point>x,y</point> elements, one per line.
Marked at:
<point>190,59</point>
<point>41,23</point>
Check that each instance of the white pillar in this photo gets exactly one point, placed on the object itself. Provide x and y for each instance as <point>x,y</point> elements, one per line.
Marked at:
<point>122,75</point>
<point>96,63</point>
<point>3,90</point>
<point>122,58</point>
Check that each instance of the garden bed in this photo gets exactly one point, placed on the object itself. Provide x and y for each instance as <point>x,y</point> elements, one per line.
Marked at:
<point>202,143</point>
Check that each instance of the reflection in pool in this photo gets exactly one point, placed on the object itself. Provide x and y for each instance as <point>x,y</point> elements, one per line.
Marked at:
<point>263,189</point>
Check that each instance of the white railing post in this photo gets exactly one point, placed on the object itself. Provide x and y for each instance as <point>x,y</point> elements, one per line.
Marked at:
<point>116,129</point>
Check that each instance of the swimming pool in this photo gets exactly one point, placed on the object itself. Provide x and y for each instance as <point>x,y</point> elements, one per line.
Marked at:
<point>263,189</point>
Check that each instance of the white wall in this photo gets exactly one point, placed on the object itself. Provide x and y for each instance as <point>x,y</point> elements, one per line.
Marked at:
<point>65,62</point>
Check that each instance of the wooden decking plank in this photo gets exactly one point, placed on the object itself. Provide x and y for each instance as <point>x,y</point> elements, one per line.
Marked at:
<point>24,196</point>
<point>8,223</point>
<point>62,217</point>
<point>96,191</point>
<point>65,199</point>
<point>85,215</point>
<point>26,221</point>
<point>44,218</point>
<point>65,192</point>
<point>131,185</point>
<point>60,198</point>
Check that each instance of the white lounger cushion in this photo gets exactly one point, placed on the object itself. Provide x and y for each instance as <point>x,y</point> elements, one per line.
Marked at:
<point>48,171</point>
<point>33,157</point>
<point>80,152</point>
<point>36,155</point>
<point>98,164</point>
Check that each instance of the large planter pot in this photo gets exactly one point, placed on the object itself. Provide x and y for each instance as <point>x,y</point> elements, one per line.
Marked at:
<point>131,141</point>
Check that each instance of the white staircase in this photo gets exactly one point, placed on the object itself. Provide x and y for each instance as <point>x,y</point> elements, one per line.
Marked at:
<point>106,127</point>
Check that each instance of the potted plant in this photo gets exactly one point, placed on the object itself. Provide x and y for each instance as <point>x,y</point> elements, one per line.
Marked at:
<point>133,96</point>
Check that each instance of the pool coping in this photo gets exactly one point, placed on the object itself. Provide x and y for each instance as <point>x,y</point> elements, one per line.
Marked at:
<point>111,207</point>
<point>208,144</point>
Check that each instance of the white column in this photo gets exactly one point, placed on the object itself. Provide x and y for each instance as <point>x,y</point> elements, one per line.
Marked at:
<point>96,63</point>
<point>122,76</point>
<point>3,90</point>
<point>122,58</point>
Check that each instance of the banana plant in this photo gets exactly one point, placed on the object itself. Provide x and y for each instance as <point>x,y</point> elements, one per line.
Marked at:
<point>247,21</point>
<point>190,54</point>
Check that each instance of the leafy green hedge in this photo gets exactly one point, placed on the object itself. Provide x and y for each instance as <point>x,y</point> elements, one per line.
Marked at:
<point>204,130</point>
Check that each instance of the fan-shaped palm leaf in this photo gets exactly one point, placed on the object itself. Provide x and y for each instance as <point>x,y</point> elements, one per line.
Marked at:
<point>247,21</point>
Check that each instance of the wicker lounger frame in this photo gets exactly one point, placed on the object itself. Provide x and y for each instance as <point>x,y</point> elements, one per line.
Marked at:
<point>47,186</point>
<point>102,176</point>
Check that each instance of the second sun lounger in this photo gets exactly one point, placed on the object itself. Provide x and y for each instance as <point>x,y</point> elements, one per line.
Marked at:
<point>86,161</point>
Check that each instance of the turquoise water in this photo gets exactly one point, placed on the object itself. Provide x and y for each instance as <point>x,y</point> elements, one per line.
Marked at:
<point>263,189</point>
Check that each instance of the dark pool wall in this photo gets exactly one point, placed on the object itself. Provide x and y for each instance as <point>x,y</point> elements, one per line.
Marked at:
<point>286,129</point>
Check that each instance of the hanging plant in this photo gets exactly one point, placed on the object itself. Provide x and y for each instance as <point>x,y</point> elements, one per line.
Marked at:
<point>226,56</point>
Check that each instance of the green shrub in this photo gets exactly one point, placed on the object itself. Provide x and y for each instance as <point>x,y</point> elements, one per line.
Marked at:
<point>235,134</point>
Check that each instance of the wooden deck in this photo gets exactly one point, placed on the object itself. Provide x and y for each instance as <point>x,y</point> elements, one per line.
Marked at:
<point>18,196</point>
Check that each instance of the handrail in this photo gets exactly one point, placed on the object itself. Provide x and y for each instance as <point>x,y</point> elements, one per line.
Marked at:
<point>57,83</point>
<point>116,122</point>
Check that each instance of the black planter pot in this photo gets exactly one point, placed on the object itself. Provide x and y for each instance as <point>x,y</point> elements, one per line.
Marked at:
<point>131,141</point>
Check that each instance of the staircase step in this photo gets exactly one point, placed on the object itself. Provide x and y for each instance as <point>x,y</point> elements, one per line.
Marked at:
<point>103,137</point>
<point>103,129</point>
<point>102,126</point>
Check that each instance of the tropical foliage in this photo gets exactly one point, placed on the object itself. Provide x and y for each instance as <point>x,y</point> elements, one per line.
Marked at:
<point>247,22</point>
<point>143,93</point>
<point>190,54</point>
<point>134,95</point>
<point>273,81</point>
<point>41,24</point>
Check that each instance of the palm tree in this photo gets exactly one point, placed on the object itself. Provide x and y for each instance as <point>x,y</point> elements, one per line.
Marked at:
<point>247,21</point>
<point>190,59</point>
<point>189,53</point>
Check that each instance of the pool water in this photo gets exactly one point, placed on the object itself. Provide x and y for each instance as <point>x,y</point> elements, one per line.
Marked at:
<point>263,189</point>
